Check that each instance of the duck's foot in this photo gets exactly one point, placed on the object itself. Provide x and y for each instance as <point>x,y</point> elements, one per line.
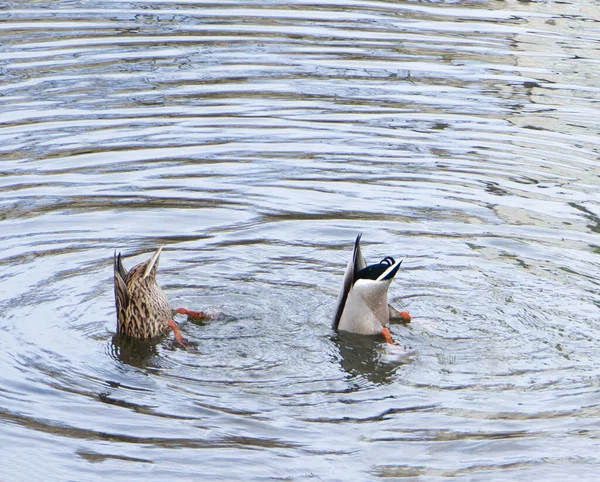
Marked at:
<point>399,316</point>
<point>193,314</point>
<point>405,317</point>
<point>179,337</point>
<point>388,336</point>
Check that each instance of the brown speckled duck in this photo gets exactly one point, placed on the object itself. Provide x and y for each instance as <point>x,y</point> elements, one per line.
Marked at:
<point>143,310</point>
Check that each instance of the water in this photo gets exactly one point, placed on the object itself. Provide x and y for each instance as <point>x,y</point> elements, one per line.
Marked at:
<point>255,141</point>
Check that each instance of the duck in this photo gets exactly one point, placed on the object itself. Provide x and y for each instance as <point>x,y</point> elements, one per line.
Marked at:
<point>362,306</point>
<point>143,310</point>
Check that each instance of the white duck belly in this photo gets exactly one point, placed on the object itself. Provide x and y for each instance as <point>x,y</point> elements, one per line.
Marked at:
<point>366,309</point>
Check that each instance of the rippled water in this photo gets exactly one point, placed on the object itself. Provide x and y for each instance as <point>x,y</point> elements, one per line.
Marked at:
<point>255,140</point>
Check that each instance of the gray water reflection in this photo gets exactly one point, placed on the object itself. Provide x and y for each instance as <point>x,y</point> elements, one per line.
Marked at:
<point>362,357</point>
<point>254,141</point>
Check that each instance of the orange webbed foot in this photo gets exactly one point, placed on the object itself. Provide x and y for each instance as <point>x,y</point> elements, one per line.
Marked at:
<point>179,337</point>
<point>388,336</point>
<point>405,317</point>
<point>193,314</point>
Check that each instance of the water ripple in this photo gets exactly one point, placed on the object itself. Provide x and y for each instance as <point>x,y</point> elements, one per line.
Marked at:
<point>255,140</point>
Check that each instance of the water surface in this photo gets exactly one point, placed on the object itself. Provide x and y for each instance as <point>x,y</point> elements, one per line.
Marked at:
<point>255,141</point>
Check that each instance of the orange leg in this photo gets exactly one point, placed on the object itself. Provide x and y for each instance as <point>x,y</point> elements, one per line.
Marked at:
<point>388,336</point>
<point>178,336</point>
<point>405,316</point>
<point>193,314</point>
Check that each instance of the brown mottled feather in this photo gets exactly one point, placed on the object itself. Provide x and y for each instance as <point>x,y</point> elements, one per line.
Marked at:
<point>143,310</point>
